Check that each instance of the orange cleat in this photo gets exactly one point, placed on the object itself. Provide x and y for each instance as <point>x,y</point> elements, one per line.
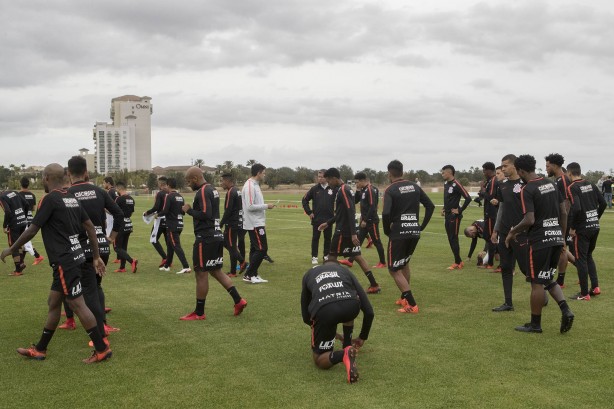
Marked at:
<point>193,317</point>
<point>32,352</point>
<point>134,264</point>
<point>458,266</point>
<point>69,324</point>
<point>410,309</point>
<point>108,328</point>
<point>99,356</point>
<point>38,260</point>
<point>376,289</point>
<point>346,263</point>
<point>120,270</point>
<point>380,265</point>
<point>349,360</point>
<point>240,306</point>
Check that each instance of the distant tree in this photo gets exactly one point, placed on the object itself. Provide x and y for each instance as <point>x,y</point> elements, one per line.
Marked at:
<point>152,182</point>
<point>593,176</point>
<point>272,178</point>
<point>285,175</point>
<point>251,162</point>
<point>303,175</point>
<point>199,162</point>
<point>346,173</point>
<point>228,165</point>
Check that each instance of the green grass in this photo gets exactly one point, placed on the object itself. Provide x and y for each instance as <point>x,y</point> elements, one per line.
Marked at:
<point>454,354</point>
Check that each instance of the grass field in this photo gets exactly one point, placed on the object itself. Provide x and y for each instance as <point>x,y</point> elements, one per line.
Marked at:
<point>455,353</point>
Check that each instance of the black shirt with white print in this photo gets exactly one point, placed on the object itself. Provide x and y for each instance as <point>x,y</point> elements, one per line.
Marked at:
<point>126,203</point>
<point>541,197</point>
<point>401,210</point>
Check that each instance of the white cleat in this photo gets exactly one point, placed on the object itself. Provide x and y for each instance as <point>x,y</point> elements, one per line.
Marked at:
<point>258,280</point>
<point>184,271</point>
<point>314,260</point>
<point>164,268</point>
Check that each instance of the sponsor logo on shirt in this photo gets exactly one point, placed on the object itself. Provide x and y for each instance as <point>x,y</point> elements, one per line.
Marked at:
<point>547,188</point>
<point>70,202</point>
<point>586,188</point>
<point>552,222</point>
<point>86,194</point>
<point>407,189</point>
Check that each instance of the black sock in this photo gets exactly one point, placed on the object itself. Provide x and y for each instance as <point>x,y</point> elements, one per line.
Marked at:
<point>45,339</point>
<point>561,278</point>
<point>409,297</point>
<point>371,278</point>
<point>18,266</point>
<point>536,320</point>
<point>234,294</point>
<point>336,357</point>
<point>347,335</point>
<point>36,254</point>
<point>200,307</point>
<point>22,257</point>
<point>563,305</point>
<point>96,338</point>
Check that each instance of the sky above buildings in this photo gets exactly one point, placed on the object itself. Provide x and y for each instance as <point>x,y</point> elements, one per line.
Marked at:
<point>314,83</point>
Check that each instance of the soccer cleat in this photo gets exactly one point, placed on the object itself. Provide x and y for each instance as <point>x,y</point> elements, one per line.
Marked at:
<point>32,352</point>
<point>16,273</point>
<point>314,260</point>
<point>258,280</point>
<point>107,310</point>
<point>116,261</point>
<point>566,321</point>
<point>458,266</point>
<point>268,258</point>
<point>349,360</point>
<point>184,271</point>
<point>595,291</point>
<point>99,356</point>
<point>580,297</point>
<point>68,324</point>
<point>108,328</point>
<point>562,286</point>
<point>376,289</point>
<point>399,302</point>
<point>380,265</point>
<point>410,309</point>
<point>231,275</point>
<point>162,263</point>
<point>120,270</point>
<point>164,268</point>
<point>193,317</point>
<point>503,307</point>
<point>134,264</point>
<point>498,270</point>
<point>369,243</point>
<point>346,263</point>
<point>244,266</point>
<point>104,339</point>
<point>240,306</point>
<point>529,328</point>
<point>38,260</point>
<point>247,279</point>
<point>480,260</point>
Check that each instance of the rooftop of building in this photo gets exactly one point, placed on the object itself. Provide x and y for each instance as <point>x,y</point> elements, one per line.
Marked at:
<point>130,98</point>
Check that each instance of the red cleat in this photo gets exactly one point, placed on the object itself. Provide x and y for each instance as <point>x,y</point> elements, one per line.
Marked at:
<point>595,291</point>
<point>193,317</point>
<point>134,264</point>
<point>349,360</point>
<point>99,356</point>
<point>107,310</point>
<point>105,339</point>
<point>116,261</point>
<point>69,324</point>
<point>108,328</point>
<point>408,309</point>
<point>120,270</point>
<point>346,263</point>
<point>240,306</point>
<point>458,266</point>
<point>231,275</point>
<point>376,289</point>
<point>16,273</point>
<point>380,265</point>
<point>399,301</point>
<point>369,243</point>
<point>32,352</point>
<point>38,260</point>
<point>162,263</point>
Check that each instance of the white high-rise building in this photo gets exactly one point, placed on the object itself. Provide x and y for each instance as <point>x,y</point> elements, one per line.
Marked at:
<point>126,142</point>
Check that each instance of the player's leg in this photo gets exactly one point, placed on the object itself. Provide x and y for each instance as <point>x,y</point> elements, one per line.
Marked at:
<point>507,276</point>
<point>590,261</point>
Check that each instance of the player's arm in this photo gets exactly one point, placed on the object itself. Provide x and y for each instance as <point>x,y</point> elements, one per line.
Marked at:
<point>563,216</point>
<point>251,199</point>
<point>305,300</point>
<point>25,237</point>
<point>7,211</point>
<point>429,209</point>
<point>497,229</point>
<point>372,212</point>
<point>166,206</point>
<point>601,204</point>
<point>367,313</point>
<point>117,213</point>
<point>203,201</point>
<point>228,206</point>
<point>474,242</point>
<point>386,209</point>
<point>467,197</point>
<point>305,202</point>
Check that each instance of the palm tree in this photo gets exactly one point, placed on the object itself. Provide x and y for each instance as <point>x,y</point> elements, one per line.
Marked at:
<point>251,162</point>
<point>199,162</point>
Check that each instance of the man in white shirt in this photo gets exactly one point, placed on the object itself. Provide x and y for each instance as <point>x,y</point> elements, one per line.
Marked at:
<point>254,217</point>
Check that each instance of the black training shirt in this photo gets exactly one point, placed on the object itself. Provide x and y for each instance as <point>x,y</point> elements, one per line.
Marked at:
<point>401,212</point>
<point>173,202</point>
<point>233,209</point>
<point>369,199</point>
<point>323,202</point>
<point>15,210</point>
<point>345,212</point>
<point>126,203</point>
<point>206,213</point>
<point>587,206</point>
<point>541,197</point>
<point>509,194</point>
<point>452,193</point>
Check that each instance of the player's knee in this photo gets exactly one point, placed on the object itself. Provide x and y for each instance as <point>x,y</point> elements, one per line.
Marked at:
<point>550,285</point>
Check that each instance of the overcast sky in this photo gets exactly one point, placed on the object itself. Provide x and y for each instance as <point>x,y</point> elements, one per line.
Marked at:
<point>314,83</point>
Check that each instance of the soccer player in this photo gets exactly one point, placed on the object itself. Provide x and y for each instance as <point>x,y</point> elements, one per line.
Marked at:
<point>475,231</point>
<point>159,227</point>
<point>345,240</point>
<point>587,206</point>
<point>30,198</point>
<point>545,219</point>
<point>232,222</point>
<point>62,219</point>
<point>208,245</point>
<point>491,207</point>
<point>173,212</point>
<point>96,203</point>
<point>254,218</point>
<point>330,295</point>
<point>400,218</point>
<point>126,203</point>
<point>499,174</point>
<point>554,168</point>
<point>15,221</point>
<point>369,219</point>
<point>322,198</point>
<point>453,213</point>
<point>509,215</point>
<point>607,191</point>
<point>109,186</point>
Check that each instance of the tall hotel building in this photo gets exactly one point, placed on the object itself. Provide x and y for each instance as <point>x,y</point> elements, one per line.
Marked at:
<point>124,143</point>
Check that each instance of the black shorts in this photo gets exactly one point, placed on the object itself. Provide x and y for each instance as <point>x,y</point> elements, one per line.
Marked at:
<point>341,245</point>
<point>543,264</point>
<point>400,252</point>
<point>13,235</point>
<point>67,282</point>
<point>324,324</point>
<point>207,255</point>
